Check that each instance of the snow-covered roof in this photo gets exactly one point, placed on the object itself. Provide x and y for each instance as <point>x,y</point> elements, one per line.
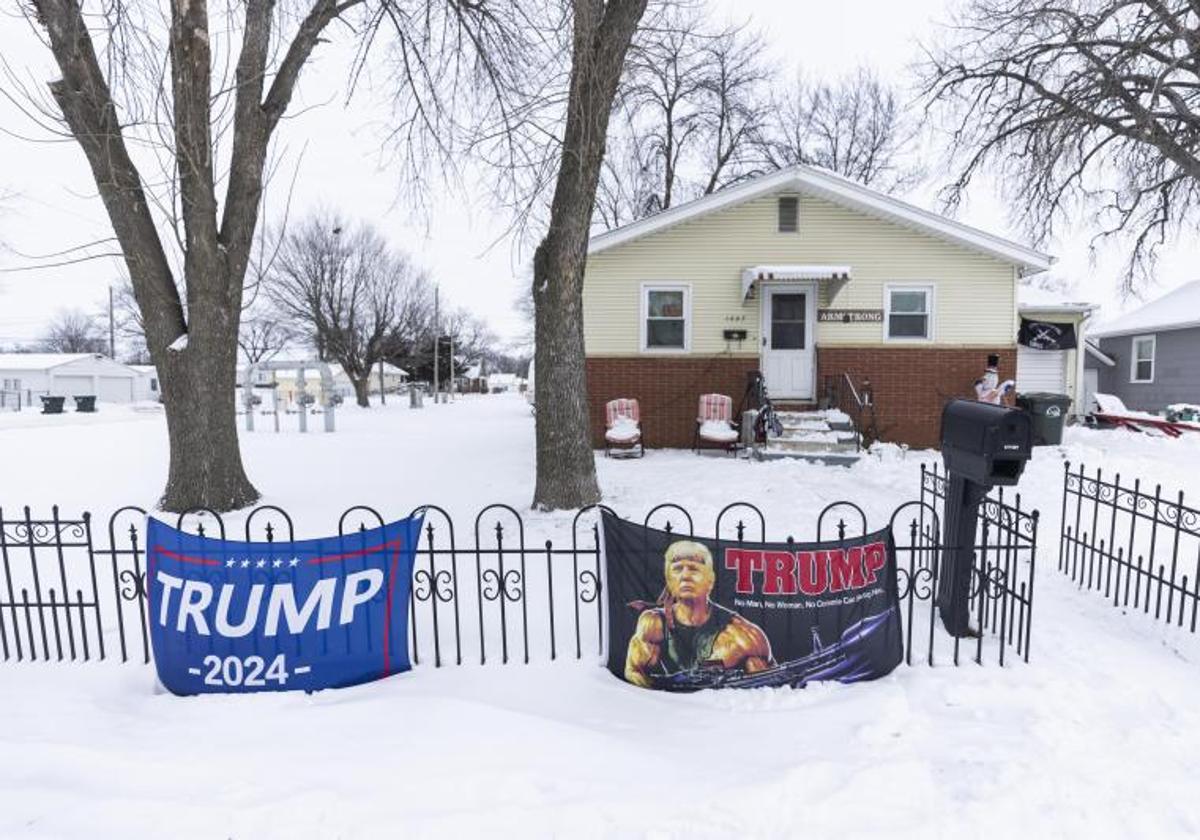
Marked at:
<point>41,361</point>
<point>1176,310</point>
<point>813,180</point>
<point>1031,298</point>
<point>1098,354</point>
<point>792,272</point>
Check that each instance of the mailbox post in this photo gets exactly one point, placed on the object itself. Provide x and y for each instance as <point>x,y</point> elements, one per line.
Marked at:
<point>983,446</point>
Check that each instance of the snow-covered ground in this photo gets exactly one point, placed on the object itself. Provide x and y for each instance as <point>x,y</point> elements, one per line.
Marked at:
<point>1099,735</point>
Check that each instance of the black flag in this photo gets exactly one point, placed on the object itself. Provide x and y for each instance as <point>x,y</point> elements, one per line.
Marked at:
<point>1046,335</point>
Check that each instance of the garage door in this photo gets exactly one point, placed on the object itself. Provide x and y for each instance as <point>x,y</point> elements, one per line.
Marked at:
<point>1041,370</point>
<point>69,386</point>
<point>115,389</point>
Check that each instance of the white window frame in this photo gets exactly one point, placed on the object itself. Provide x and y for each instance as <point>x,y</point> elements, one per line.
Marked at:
<point>646,289</point>
<point>930,290</point>
<point>1133,357</point>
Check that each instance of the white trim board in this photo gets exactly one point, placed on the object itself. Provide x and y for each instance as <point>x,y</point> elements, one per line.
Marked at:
<point>811,180</point>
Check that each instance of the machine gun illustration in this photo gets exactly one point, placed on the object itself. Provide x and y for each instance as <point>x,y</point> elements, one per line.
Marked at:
<point>845,660</point>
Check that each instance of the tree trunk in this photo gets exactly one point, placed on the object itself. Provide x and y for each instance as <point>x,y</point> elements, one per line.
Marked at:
<point>199,391</point>
<point>362,391</point>
<point>566,466</point>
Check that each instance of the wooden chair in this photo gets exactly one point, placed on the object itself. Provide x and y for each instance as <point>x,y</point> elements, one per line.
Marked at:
<point>715,427</point>
<point>623,429</point>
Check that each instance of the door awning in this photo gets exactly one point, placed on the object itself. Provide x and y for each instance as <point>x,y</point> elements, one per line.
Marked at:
<point>756,273</point>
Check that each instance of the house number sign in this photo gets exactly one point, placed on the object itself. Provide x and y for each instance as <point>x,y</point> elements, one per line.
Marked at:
<point>850,316</point>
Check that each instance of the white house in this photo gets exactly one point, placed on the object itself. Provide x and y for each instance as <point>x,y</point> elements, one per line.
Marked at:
<point>286,386</point>
<point>1057,371</point>
<point>146,388</point>
<point>33,375</point>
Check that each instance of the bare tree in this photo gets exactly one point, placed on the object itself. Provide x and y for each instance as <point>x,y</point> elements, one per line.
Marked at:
<point>73,331</point>
<point>691,107</point>
<point>262,337</point>
<point>138,93</point>
<point>1090,105</point>
<point>346,289</point>
<point>566,468</point>
<point>853,126</point>
<point>734,106</point>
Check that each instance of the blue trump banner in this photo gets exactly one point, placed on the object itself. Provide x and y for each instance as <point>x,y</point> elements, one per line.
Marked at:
<point>304,615</point>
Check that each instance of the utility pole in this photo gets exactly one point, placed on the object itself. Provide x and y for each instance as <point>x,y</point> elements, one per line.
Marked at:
<point>436,341</point>
<point>452,377</point>
<point>112,331</point>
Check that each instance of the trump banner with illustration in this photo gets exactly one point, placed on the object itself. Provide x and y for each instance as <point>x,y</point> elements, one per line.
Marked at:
<point>686,613</point>
<point>231,616</point>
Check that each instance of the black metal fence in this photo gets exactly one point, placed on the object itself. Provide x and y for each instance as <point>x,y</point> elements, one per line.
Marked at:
<point>1003,572</point>
<point>1107,524</point>
<point>499,596</point>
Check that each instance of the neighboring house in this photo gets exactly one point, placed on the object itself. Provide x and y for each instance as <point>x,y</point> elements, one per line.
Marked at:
<point>146,388</point>
<point>1041,365</point>
<point>66,375</point>
<point>503,383</point>
<point>287,388</point>
<point>807,276</point>
<point>1150,357</point>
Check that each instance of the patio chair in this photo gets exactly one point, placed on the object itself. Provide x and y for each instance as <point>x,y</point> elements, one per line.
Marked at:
<point>623,429</point>
<point>715,427</point>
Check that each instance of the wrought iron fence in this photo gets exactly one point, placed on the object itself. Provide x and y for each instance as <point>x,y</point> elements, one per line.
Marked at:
<point>1112,523</point>
<point>501,597</point>
<point>1003,572</point>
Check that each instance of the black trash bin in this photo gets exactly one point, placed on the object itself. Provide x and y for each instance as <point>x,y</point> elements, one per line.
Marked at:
<point>53,405</point>
<point>86,404</point>
<point>1048,413</point>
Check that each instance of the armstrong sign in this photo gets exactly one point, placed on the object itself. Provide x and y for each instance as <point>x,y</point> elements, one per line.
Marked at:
<point>234,616</point>
<point>688,613</point>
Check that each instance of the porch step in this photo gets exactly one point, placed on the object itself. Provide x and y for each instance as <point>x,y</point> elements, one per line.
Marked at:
<point>833,458</point>
<point>815,420</point>
<point>825,437</point>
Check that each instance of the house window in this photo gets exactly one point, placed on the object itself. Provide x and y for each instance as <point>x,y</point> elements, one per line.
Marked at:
<point>789,214</point>
<point>1142,359</point>
<point>153,385</point>
<point>909,312</point>
<point>665,317</point>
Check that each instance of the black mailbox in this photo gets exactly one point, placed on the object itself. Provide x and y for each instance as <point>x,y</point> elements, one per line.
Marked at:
<point>985,443</point>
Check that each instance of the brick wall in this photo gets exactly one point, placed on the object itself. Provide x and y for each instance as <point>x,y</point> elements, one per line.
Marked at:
<point>667,389</point>
<point>910,384</point>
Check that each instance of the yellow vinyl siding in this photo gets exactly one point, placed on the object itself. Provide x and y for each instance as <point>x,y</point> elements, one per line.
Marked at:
<point>974,296</point>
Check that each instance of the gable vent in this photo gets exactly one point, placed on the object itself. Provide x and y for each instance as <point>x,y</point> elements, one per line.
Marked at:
<point>789,214</point>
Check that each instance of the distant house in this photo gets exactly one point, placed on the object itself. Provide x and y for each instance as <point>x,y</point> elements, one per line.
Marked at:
<point>287,389</point>
<point>1150,357</point>
<point>33,375</point>
<point>810,278</point>
<point>1052,345</point>
<point>146,387</point>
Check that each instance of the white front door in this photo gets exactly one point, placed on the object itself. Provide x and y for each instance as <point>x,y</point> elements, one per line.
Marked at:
<point>788,321</point>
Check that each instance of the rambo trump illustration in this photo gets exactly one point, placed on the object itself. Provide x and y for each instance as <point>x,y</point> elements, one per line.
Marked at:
<point>686,630</point>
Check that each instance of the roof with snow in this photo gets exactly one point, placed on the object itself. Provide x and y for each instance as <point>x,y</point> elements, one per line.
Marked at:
<point>1031,298</point>
<point>1176,310</point>
<point>822,183</point>
<point>45,361</point>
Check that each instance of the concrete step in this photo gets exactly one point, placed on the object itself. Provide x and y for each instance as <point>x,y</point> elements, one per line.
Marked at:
<point>829,442</point>
<point>815,420</point>
<point>836,458</point>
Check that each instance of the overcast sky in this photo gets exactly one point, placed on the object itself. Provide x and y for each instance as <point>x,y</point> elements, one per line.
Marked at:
<point>463,243</point>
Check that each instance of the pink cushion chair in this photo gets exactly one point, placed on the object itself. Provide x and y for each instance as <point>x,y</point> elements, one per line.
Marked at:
<point>714,423</point>
<point>623,428</point>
